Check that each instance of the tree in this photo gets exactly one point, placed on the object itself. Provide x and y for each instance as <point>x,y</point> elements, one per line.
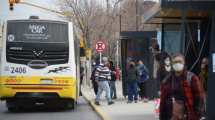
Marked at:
<point>93,20</point>
<point>133,13</point>
<point>100,19</point>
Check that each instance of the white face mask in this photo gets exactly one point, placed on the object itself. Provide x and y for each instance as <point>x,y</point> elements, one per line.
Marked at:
<point>178,67</point>
<point>168,68</point>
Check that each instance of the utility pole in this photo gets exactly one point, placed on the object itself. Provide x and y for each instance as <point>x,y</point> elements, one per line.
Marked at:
<point>136,6</point>
<point>108,6</point>
<point>120,22</point>
<point>120,30</point>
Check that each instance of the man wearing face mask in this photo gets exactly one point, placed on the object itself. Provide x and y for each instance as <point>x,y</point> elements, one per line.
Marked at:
<point>181,92</point>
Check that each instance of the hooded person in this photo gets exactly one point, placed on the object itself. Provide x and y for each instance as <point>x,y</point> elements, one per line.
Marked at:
<point>143,76</point>
<point>132,77</point>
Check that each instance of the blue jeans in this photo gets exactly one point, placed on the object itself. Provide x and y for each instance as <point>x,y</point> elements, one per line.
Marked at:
<point>132,91</point>
<point>103,86</point>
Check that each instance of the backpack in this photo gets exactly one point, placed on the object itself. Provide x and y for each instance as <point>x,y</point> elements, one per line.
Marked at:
<point>143,75</point>
<point>189,77</point>
<point>189,80</point>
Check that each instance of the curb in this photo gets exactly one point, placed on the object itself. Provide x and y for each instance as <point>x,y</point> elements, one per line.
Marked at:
<point>98,110</point>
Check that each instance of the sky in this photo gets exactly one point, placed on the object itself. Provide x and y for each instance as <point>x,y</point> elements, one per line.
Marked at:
<point>22,11</point>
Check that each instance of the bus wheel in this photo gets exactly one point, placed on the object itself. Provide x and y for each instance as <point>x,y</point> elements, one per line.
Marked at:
<point>70,104</point>
<point>13,109</point>
<point>11,106</point>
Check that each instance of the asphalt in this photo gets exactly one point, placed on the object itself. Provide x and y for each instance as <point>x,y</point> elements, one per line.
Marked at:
<point>82,112</point>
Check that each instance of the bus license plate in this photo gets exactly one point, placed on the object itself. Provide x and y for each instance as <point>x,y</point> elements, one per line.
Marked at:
<point>46,81</point>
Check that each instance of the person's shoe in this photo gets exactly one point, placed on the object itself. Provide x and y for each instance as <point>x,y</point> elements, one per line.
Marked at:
<point>129,101</point>
<point>135,101</point>
<point>97,103</point>
<point>145,100</point>
<point>114,97</point>
<point>110,103</point>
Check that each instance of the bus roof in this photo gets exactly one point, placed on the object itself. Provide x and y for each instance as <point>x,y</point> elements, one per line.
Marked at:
<point>36,20</point>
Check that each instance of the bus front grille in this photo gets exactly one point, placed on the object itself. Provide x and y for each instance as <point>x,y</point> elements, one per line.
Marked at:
<point>25,56</point>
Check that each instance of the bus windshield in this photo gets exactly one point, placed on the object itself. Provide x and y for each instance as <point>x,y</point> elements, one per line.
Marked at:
<point>37,31</point>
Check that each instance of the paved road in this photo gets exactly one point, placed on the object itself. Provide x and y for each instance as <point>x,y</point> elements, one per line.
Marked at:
<point>82,112</point>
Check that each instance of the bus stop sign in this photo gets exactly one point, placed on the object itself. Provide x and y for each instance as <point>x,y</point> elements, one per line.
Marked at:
<point>100,46</point>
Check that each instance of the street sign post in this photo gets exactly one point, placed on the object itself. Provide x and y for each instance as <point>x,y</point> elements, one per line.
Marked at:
<point>100,47</point>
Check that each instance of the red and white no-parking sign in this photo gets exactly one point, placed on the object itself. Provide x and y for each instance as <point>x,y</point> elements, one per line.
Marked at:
<point>100,46</point>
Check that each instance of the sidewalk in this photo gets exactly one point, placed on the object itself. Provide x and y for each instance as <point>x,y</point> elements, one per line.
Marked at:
<point>121,110</point>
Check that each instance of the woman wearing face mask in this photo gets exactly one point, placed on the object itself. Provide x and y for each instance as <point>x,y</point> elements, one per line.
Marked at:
<point>163,73</point>
<point>181,92</point>
<point>164,69</point>
<point>204,73</point>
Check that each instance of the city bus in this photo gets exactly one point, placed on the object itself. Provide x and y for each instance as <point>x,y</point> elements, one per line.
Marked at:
<point>39,64</point>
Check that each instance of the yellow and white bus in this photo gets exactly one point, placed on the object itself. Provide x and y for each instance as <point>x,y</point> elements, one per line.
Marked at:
<point>39,64</point>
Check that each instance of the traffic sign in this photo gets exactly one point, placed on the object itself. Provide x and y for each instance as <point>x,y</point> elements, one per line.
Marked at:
<point>100,46</point>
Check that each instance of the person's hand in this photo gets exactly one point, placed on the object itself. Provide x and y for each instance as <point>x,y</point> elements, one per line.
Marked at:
<point>159,93</point>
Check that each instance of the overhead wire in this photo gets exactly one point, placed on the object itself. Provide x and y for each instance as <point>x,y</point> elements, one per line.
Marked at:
<point>202,47</point>
<point>191,41</point>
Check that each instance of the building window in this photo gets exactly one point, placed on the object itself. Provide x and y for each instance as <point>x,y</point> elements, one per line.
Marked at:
<point>172,38</point>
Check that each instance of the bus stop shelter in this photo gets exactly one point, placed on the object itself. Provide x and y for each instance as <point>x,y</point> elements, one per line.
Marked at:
<point>188,26</point>
<point>135,46</point>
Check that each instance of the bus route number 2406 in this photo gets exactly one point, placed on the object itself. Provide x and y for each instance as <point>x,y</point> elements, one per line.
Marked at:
<point>21,70</point>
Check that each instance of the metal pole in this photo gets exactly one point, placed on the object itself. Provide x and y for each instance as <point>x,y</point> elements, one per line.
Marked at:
<point>44,8</point>
<point>117,54</point>
<point>100,54</point>
<point>136,15</point>
<point>120,22</point>
<point>120,18</point>
<point>183,18</point>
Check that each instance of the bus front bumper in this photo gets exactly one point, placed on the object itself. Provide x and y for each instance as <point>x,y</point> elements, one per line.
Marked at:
<point>38,91</point>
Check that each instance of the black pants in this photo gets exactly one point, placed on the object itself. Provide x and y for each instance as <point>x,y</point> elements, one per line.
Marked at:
<point>95,87</point>
<point>142,90</point>
<point>113,89</point>
<point>81,81</point>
